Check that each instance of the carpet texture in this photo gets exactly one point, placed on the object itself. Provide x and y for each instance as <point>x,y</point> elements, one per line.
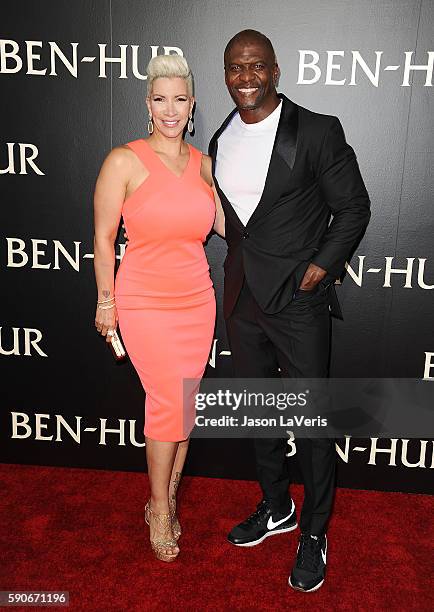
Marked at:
<point>83,531</point>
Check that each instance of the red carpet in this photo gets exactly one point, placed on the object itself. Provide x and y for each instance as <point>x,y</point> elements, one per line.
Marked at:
<point>83,531</point>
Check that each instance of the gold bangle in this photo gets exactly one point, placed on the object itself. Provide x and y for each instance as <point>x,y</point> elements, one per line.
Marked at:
<point>106,307</point>
<point>105,301</point>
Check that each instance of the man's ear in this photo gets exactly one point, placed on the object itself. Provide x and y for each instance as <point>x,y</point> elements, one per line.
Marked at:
<point>276,75</point>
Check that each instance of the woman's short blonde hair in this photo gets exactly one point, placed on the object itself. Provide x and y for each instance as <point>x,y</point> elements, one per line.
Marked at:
<point>170,66</point>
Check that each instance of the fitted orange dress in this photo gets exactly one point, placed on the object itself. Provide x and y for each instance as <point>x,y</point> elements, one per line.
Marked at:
<point>164,294</point>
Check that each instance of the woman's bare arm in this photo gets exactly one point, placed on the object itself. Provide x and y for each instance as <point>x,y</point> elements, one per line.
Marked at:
<point>206,171</point>
<point>108,199</point>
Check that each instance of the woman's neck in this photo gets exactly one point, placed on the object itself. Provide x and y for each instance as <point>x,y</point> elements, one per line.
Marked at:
<point>172,147</point>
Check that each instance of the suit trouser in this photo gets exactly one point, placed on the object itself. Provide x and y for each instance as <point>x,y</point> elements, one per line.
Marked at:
<point>296,340</point>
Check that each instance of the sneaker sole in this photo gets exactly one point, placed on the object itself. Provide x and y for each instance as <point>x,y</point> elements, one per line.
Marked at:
<point>270,533</point>
<point>315,588</point>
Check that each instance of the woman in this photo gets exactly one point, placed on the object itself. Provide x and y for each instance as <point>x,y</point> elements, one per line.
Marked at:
<point>163,296</point>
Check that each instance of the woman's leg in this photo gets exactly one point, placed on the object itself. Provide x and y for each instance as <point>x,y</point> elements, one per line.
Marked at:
<point>178,466</point>
<point>160,458</point>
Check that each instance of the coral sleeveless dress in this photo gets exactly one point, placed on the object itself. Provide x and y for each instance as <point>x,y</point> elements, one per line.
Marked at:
<point>164,294</point>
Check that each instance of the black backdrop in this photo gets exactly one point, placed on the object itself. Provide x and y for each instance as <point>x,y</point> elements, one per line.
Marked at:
<point>64,105</point>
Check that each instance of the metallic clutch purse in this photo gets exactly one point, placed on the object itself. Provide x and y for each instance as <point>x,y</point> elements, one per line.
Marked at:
<point>117,347</point>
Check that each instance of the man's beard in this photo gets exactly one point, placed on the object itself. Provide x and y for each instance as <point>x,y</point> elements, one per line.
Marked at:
<point>248,105</point>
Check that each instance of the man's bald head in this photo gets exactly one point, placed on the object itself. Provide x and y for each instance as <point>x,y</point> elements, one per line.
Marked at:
<point>246,37</point>
<point>251,75</point>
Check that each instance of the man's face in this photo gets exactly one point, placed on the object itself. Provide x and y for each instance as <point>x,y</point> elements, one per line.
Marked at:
<point>250,73</point>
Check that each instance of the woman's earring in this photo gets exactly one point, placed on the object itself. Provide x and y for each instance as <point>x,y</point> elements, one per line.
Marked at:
<point>190,126</point>
<point>150,124</point>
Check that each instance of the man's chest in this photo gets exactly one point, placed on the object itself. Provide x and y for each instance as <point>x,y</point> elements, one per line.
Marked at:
<point>242,163</point>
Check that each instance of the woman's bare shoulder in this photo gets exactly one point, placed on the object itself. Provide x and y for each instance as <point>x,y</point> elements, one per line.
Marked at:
<point>122,151</point>
<point>120,157</point>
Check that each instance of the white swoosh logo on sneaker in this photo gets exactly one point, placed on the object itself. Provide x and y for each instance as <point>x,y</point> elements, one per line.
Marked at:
<point>324,553</point>
<point>271,524</point>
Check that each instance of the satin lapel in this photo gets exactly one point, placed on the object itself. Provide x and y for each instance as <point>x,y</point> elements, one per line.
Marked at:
<point>287,132</point>
<point>282,158</point>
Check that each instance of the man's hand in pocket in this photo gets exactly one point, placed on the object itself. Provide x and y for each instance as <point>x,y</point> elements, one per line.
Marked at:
<point>313,275</point>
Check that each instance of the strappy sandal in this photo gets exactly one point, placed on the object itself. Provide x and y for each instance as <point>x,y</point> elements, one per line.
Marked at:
<point>165,538</point>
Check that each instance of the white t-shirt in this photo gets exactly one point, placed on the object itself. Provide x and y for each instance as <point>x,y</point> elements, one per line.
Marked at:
<point>243,156</point>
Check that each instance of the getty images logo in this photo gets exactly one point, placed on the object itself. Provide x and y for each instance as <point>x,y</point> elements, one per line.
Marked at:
<point>39,58</point>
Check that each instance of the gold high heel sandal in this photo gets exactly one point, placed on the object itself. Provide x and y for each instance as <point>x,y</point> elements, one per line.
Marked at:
<point>166,539</point>
<point>176,527</point>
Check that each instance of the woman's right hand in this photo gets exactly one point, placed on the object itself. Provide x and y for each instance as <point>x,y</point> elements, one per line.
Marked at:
<point>106,320</point>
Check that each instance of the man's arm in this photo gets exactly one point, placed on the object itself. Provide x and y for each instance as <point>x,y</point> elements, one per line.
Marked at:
<point>343,190</point>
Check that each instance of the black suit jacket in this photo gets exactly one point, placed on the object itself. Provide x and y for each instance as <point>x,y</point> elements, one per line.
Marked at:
<point>313,174</point>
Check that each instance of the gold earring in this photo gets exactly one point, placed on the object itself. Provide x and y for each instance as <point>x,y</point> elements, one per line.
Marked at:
<point>190,126</point>
<point>150,124</point>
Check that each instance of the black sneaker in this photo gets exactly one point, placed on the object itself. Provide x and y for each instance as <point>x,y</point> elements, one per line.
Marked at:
<point>261,524</point>
<point>309,570</point>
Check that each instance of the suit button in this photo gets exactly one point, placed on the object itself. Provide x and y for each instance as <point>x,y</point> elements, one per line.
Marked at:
<point>245,235</point>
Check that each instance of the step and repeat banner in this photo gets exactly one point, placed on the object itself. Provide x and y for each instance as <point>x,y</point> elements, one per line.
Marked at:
<point>73,86</point>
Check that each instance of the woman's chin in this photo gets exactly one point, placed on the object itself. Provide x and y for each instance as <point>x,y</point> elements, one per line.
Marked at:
<point>171,132</point>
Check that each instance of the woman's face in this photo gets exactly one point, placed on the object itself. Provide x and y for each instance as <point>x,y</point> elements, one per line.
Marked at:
<point>170,105</point>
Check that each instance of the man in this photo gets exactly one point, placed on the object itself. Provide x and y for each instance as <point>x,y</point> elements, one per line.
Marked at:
<point>281,171</point>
